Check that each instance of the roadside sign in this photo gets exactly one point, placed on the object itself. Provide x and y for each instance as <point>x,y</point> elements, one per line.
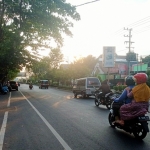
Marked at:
<point>108,56</point>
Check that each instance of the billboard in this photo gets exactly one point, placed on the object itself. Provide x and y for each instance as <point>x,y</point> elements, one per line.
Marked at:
<point>108,56</point>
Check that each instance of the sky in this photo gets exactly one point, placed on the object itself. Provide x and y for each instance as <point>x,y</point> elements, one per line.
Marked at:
<point>105,23</point>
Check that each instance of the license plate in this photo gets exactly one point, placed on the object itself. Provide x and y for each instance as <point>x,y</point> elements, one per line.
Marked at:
<point>144,118</point>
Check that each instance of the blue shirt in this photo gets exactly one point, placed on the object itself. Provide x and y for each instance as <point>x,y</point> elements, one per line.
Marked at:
<point>123,97</point>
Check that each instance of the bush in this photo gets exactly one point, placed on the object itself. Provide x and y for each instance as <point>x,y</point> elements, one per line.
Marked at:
<point>54,84</point>
<point>65,87</point>
<point>115,88</point>
<point>119,88</point>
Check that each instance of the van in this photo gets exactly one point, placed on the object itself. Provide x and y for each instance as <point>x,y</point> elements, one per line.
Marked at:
<point>43,84</point>
<point>86,86</point>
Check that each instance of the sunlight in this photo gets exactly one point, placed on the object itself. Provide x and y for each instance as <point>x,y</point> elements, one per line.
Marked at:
<point>99,27</point>
<point>103,26</point>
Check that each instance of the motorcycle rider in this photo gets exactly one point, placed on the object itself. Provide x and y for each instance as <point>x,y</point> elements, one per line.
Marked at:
<point>140,95</point>
<point>123,98</point>
<point>30,85</point>
<point>105,88</point>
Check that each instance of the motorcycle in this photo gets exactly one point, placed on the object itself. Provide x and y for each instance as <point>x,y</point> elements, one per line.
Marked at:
<point>4,89</point>
<point>137,126</point>
<point>30,87</point>
<point>101,99</point>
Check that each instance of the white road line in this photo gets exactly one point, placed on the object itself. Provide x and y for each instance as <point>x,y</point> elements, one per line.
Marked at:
<point>8,104</point>
<point>3,128</point>
<point>2,131</point>
<point>59,138</point>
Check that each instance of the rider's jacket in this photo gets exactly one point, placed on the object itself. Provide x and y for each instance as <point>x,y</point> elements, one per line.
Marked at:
<point>123,97</point>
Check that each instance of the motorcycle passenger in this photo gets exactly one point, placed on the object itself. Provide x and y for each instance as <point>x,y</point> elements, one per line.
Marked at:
<point>140,95</point>
<point>123,98</point>
<point>105,88</point>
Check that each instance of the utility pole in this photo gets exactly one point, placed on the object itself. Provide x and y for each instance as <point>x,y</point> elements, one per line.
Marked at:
<point>129,39</point>
<point>129,52</point>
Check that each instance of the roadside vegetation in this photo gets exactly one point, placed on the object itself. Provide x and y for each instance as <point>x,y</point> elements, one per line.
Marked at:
<point>29,26</point>
<point>62,75</point>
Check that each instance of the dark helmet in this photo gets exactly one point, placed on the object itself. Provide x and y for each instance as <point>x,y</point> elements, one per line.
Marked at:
<point>129,80</point>
<point>140,78</point>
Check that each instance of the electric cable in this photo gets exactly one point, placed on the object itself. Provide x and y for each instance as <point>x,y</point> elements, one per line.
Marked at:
<point>86,3</point>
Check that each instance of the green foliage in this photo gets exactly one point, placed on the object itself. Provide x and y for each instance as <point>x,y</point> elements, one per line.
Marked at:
<point>55,58</point>
<point>12,74</point>
<point>49,67</point>
<point>82,67</point>
<point>55,84</point>
<point>148,74</point>
<point>116,88</point>
<point>124,86</point>
<point>99,77</point>
<point>119,87</point>
<point>32,24</point>
<point>146,59</point>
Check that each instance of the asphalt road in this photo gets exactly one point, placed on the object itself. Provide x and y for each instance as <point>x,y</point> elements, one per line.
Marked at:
<point>52,119</point>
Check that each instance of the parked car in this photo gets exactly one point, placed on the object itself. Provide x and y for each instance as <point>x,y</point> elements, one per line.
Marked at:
<point>13,85</point>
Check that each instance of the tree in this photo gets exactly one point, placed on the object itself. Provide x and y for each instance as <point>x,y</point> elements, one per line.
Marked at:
<point>83,66</point>
<point>55,58</point>
<point>148,74</point>
<point>47,67</point>
<point>40,69</point>
<point>146,60</point>
<point>13,56</point>
<point>33,24</point>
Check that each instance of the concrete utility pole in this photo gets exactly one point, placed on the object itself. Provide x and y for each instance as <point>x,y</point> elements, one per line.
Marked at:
<point>129,46</point>
<point>129,39</point>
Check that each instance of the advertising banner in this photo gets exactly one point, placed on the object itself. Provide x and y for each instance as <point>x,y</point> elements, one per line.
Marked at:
<point>109,56</point>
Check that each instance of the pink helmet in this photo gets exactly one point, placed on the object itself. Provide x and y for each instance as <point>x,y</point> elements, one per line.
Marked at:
<point>140,78</point>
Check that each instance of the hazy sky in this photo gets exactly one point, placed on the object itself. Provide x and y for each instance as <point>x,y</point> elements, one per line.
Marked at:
<point>102,24</point>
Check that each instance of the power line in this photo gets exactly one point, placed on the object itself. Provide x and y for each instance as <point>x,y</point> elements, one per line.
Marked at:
<point>139,24</point>
<point>146,28</point>
<point>86,3</point>
<point>144,20</point>
<point>135,25</point>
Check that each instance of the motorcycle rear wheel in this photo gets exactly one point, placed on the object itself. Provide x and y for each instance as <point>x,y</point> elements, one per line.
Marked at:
<point>108,106</point>
<point>111,119</point>
<point>108,103</point>
<point>139,132</point>
<point>96,102</point>
<point>75,95</point>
